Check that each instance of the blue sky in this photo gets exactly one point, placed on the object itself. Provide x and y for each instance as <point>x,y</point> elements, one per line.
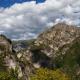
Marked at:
<point>8,3</point>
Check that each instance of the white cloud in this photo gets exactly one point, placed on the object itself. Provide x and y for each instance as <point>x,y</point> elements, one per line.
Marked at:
<point>28,19</point>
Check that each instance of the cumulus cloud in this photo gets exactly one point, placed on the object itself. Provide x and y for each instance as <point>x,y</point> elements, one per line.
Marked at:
<point>26,20</point>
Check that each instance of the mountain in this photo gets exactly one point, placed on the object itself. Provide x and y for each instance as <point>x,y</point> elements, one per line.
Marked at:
<point>21,44</point>
<point>59,35</point>
<point>56,49</point>
<point>60,45</point>
<point>55,41</point>
<point>10,66</point>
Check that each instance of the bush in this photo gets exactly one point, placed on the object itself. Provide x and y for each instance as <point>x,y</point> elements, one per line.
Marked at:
<point>46,74</point>
<point>6,76</point>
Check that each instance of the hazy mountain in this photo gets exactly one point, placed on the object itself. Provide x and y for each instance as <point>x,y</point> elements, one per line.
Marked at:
<point>21,44</point>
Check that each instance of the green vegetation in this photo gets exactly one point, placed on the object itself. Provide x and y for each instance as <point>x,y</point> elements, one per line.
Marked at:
<point>72,59</point>
<point>10,74</point>
<point>4,75</point>
<point>2,66</point>
<point>46,74</point>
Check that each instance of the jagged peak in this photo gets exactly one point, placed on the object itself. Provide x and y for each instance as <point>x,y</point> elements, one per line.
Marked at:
<point>65,26</point>
<point>62,27</point>
<point>3,37</point>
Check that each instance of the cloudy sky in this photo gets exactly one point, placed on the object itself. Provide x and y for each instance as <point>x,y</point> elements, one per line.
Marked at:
<point>25,19</point>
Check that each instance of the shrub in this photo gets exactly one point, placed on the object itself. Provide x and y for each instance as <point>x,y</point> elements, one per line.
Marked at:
<point>46,74</point>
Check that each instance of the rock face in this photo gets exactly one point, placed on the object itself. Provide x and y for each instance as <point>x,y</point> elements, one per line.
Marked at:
<point>57,47</point>
<point>61,46</point>
<point>12,61</point>
<point>5,44</point>
<point>6,54</point>
<point>53,44</point>
<point>59,35</point>
<point>50,45</point>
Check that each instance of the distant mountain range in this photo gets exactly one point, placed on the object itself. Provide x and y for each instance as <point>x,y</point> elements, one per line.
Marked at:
<point>55,48</point>
<point>21,44</point>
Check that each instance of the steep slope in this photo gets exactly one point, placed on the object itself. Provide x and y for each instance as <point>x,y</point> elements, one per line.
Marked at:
<point>50,46</point>
<point>56,48</point>
<point>71,62</point>
<point>7,59</point>
<point>10,64</point>
<point>59,35</point>
<point>61,46</point>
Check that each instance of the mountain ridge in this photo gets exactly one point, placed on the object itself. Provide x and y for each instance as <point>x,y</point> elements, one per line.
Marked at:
<point>55,48</point>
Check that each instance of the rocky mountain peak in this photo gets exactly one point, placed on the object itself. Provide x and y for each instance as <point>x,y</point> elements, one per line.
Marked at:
<point>65,27</point>
<point>57,36</point>
<point>5,44</point>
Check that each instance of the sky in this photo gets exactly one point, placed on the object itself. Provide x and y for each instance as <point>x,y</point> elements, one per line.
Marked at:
<point>26,19</point>
<point>8,3</point>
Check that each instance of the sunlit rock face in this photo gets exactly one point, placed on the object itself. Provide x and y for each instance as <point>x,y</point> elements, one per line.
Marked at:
<point>59,35</point>
<point>7,55</point>
<point>6,50</point>
<point>49,45</point>
<point>53,44</point>
<point>13,60</point>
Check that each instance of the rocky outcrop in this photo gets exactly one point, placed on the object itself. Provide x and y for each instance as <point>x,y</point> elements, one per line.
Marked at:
<point>5,44</point>
<point>59,35</point>
<point>24,59</point>
<point>52,45</point>
<point>7,55</point>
